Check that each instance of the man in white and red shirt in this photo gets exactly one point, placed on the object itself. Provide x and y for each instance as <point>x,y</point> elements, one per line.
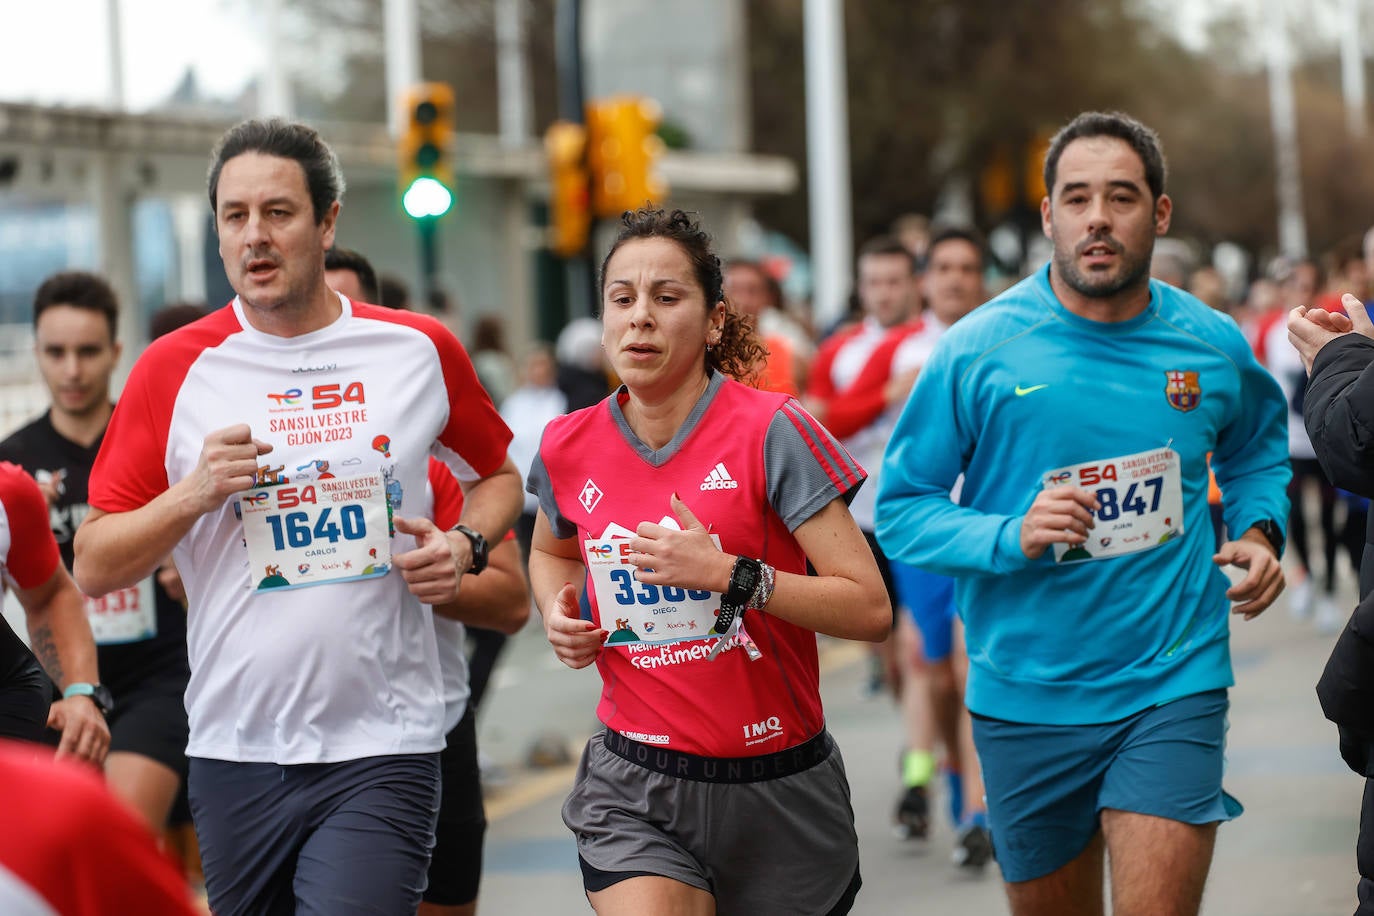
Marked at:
<point>279,448</point>
<point>859,381</point>
<point>847,389</point>
<point>930,647</point>
<point>31,567</point>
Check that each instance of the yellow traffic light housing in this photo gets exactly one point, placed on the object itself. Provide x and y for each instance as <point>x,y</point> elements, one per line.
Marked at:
<point>570,217</point>
<point>1034,181</point>
<point>426,183</point>
<point>622,153</point>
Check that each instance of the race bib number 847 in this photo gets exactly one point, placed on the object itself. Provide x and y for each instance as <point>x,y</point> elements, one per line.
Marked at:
<point>1140,503</point>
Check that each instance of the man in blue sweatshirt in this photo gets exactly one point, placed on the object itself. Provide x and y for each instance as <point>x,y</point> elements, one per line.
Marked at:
<point>1081,407</point>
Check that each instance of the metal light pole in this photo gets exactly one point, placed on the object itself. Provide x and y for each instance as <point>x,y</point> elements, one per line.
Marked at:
<point>1352,68</point>
<point>274,95</point>
<point>114,39</point>
<point>827,150</point>
<point>402,33</point>
<point>512,83</point>
<point>578,270</point>
<point>1292,225</point>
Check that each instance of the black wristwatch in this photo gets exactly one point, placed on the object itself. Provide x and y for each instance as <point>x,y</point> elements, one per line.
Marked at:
<point>100,695</point>
<point>1272,533</point>
<point>479,548</point>
<point>744,579</point>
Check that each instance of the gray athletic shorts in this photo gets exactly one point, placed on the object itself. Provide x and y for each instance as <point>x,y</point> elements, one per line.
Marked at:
<point>775,846</point>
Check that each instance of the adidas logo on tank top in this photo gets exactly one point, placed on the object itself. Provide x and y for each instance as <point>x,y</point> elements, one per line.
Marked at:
<point>719,479</point>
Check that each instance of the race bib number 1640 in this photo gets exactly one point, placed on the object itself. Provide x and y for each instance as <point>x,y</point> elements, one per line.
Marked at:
<point>332,530</point>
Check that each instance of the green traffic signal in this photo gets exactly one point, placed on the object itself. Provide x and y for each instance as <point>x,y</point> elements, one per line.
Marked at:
<point>427,198</point>
<point>426,176</point>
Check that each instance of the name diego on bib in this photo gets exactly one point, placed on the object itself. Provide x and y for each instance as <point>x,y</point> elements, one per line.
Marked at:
<point>332,530</point>
<point>1140,500</point>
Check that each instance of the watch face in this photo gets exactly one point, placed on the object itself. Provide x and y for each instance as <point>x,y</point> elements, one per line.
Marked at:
<point>744,578</point>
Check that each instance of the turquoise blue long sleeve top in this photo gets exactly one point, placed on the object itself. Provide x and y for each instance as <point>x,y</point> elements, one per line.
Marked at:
<point>1023,387</point>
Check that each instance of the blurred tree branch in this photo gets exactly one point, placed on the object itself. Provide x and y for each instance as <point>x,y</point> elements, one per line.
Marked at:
<point>937,88</point>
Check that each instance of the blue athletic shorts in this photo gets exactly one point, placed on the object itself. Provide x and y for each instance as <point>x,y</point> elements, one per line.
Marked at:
<point>929,598</point>
<point>1046,784</point>
<point>315,839</point>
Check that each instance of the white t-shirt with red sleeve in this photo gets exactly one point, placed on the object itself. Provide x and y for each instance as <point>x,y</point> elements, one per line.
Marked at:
<point>754,466</point>
<point>28,552</point>
<point>326,672</point>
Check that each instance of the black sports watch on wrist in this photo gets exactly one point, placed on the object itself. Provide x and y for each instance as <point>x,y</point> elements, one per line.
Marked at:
<point>479,548</point>
<point>100,695</point>
<point>1272,533</point>
<point>744,579</point>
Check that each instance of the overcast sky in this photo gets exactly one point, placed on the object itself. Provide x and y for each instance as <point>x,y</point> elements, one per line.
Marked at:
<point>58,53</point>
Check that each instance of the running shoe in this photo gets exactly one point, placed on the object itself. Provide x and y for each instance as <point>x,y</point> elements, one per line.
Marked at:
<point>876,683</point>
<point>912,818</point>
<point>1300,598</point>
<point>1330,618</point>
<point>973,847</point>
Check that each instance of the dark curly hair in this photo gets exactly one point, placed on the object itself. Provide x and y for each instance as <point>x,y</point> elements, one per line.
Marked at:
<point>740,353</point>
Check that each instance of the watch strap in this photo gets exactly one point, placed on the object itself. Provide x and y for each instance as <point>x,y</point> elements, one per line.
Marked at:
<point>78,689</point>
<point>1272,533</point>
<point>479,548</point>
<point>99,694</point>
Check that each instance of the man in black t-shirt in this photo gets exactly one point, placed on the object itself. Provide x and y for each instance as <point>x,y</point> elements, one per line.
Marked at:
<point>140,632</point>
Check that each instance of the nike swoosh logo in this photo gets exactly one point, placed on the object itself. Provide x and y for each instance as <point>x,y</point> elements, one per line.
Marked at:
<point>1022,392</point>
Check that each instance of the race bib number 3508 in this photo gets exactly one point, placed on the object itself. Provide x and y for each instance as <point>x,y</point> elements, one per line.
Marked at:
<point>1140,503</point>
<point>331,530</point>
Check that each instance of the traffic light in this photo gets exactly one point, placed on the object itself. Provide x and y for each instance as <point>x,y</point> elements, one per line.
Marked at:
<point>426,179</point>
<point>1033,183</point>
<point>997,184</point>
<point>570,217</point>
<point>622,151</point>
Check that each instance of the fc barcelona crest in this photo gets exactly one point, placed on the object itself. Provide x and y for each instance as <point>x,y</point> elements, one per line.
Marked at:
<point>1182,389</point>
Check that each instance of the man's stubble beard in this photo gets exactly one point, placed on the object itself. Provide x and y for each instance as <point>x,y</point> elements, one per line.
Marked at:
<point>1133,271</point>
